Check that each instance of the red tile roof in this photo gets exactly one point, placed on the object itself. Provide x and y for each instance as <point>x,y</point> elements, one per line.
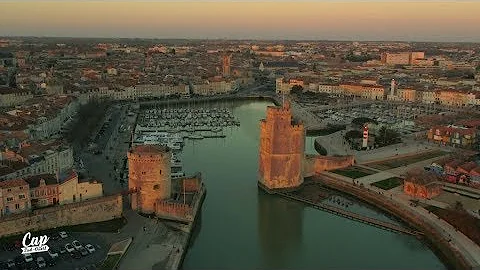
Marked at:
<point>13,183</point>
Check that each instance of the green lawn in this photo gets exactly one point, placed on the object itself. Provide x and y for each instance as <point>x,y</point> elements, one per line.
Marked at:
<point>110,262</point>
<point>404,161</point>
<point>353,172</point>
<point>389,183</point>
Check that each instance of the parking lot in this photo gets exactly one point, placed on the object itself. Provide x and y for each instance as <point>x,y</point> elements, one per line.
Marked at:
<point>65,260</point>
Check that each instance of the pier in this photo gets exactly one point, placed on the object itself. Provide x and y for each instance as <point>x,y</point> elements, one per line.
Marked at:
<point>353,216</point>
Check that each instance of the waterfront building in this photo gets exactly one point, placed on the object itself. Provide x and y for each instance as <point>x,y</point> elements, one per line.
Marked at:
<point>44,190</point>
<point>72,189</point>
<point>452,135</point>
<point>421,184</point>
<point>15,196</point>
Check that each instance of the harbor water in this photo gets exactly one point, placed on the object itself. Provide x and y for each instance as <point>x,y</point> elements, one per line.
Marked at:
<point>243,228</point>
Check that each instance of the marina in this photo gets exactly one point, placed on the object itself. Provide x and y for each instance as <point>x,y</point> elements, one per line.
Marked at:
<point>172,127</point>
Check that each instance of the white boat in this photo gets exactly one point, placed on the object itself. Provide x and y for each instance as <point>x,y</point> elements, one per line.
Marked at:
<point>174,146</point>
<point>177,175</point>
<point>217,129</point>
<point>195,137</point>
<point>175,163</point>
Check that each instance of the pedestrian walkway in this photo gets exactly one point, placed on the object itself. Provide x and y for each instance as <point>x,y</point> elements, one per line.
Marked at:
<point>459,241</point>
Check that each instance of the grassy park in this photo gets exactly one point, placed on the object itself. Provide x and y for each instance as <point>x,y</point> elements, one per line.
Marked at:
<point>388,183</point>
<point>404,161</point>
<point>353,172</point>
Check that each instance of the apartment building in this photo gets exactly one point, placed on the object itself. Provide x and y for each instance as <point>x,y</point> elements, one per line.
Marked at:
<point>214,88</point>
<point>10,97</point>
<point>35,158</point>
<point>16,197</point>
<point>375,92</point>
<point>451,135</point>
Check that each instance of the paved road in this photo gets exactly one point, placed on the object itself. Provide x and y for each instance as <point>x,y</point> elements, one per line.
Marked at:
<point>114,147</point>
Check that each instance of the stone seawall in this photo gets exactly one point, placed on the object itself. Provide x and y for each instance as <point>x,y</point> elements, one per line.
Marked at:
<point>315,164</point>
<point>439,244</point>
<point>94,210</point>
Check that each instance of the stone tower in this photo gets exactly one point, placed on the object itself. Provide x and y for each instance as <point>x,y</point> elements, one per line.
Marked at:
<point>282,145</point>
<point>226,65</point>
<point>149,175</point>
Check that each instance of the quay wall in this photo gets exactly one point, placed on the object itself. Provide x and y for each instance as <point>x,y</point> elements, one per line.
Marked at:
<point>439,244</point>
<point>153,103</point>
<point>197,207</point>
<point>315,164</point>
<point>90,211</point>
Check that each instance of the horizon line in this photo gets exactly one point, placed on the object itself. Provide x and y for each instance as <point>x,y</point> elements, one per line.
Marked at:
<point>236,39</point>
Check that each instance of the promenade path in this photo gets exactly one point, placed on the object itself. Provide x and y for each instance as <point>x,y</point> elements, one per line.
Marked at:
<point>457,239</point>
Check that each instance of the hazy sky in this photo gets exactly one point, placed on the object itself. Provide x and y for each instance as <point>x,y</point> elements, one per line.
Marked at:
<point>338,20</point>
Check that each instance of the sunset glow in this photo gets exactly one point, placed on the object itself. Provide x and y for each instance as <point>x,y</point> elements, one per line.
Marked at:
<point>282,20</point>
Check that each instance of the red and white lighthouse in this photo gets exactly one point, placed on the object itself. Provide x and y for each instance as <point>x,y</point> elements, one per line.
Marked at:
<point>365,136</point>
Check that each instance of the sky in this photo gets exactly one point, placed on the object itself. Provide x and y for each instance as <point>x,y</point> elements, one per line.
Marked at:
<point>307,20</point>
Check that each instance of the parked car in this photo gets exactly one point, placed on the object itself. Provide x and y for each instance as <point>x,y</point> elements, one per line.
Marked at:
<point>41,262</point>
<point>63,234</point>
<point>51,262</point>
<point>63,250</point>
<point>90,248</point>
<point>76,244</point>
<point>54,237</point>
<point>28,257</point>
<point>19,260</point>
<point>10,263</point>
<point>69,248</point>
<point>76,255</point>
<point>83,251</point>
<point>53,254</point>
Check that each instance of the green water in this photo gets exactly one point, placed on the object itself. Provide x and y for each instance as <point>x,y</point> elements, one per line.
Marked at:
<point>242,228</point>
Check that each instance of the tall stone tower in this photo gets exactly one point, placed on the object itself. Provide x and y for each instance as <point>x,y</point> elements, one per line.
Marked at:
<point>149,175</point>
<point>226,59</point>
<point>282,145</point>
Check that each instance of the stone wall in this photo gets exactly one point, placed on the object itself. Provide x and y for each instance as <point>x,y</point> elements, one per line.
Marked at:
<point>315,164</point>
<point>94,210</point>
<point>173,210</point>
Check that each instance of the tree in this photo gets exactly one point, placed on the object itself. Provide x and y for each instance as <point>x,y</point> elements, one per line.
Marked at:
<point>363,120</point>
<point>387,136</point>
<point>353,134</point>
<point>296,89</point>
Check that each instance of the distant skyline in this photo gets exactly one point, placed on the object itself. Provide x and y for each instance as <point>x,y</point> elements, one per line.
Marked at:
<point>313,20</point>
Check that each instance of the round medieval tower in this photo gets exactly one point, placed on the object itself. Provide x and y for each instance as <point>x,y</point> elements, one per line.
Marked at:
<point>149,176</point>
